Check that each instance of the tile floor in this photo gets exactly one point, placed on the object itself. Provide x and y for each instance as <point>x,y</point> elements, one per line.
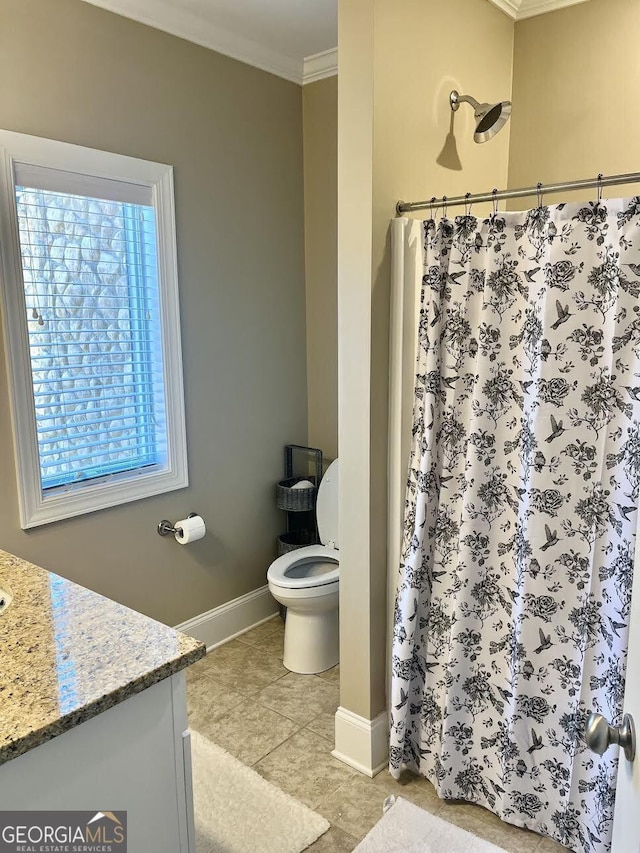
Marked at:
<point>285,732</point>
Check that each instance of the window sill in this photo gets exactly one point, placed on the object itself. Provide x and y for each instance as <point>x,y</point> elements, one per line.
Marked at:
<point>68,503</point>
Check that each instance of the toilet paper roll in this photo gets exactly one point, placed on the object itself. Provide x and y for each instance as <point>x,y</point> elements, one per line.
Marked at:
<point>303,484</point>
<point>192,528</point>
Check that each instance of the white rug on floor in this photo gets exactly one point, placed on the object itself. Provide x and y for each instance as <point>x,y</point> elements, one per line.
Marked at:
<point>238,811</point>
<point>406,828</point>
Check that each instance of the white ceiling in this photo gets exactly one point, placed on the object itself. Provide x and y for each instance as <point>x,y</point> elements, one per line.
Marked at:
<point>295,39</point>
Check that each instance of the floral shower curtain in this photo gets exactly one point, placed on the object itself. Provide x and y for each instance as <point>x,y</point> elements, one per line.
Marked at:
<point>511,618</point>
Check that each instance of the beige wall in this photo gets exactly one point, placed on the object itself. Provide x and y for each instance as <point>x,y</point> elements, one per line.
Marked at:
<point>398,61</point>
<point>358,652</point>
<point>73,72</point>
<point>320,116</point>
<point>575,85</point>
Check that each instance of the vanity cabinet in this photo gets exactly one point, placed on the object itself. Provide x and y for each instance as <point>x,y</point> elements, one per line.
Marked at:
<point>93,709</point>
<point>133,757</point>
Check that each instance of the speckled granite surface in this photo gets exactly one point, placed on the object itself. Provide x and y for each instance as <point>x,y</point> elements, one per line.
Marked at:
<point>67,654</point>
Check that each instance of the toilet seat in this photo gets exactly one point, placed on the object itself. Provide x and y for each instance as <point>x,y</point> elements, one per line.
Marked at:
<point>277,574</point>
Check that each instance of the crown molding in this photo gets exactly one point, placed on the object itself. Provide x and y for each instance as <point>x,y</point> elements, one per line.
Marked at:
<point>509,7</point>
<point>540,7</point>
<point>519,10</point>
<point>198,29</point>
<point>320,65</point>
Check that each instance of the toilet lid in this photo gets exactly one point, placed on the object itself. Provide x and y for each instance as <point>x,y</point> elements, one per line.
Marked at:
<point>314,565</point>
<point>327,507</point>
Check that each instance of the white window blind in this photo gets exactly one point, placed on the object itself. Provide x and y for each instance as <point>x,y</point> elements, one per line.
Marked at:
<point>74,183</point>
<point>91,294</point>
<point>90,311</point>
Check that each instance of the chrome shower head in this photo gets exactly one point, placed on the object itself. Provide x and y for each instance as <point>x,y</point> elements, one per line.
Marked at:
<point>490,118</point>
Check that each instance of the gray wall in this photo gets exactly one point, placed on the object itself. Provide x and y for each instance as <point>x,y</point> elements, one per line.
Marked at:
<point>320,113</point>
<point>73,72</point>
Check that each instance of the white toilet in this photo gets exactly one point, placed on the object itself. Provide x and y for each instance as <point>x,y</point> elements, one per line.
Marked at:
<point>306,581</point>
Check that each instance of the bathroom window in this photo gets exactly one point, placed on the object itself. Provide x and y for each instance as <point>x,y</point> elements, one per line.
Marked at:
<point>89,291</point>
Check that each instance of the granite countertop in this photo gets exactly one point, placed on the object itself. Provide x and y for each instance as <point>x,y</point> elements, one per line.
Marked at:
<point>68,654</point>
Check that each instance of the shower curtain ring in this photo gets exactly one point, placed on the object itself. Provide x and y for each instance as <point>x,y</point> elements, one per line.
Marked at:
<point>494,193</point>
<point>539,193</point>
<point>444,207</point>
<point>467,204</point>
<point>432,202</point>
<point>599,185</point>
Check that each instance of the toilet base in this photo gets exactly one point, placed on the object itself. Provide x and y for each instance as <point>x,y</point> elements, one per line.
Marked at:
<point>311,641</point>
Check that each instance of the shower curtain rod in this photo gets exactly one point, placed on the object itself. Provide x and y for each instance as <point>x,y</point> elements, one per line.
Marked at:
<point>498,195</point>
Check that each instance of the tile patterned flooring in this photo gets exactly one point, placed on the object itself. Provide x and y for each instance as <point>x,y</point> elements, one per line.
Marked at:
<point>281,724</point>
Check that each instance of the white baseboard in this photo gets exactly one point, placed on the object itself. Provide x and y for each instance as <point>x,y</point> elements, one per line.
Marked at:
<point>223,623</point>
<point>361,743</point>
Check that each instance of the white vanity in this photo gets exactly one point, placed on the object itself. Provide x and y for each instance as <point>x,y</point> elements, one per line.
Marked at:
<point>93,712</point>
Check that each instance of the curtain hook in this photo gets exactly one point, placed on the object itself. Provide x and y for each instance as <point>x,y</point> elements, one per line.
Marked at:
<point>444,206</point>
<point>599,185</point>
<point>432,201</point>
<point>494,193</point>
<point>467,204</point>
<point>539,193</point>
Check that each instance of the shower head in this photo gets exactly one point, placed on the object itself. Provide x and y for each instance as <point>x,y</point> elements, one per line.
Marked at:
<point>490,118</point>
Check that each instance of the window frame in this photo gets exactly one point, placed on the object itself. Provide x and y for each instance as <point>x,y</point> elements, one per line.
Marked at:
<point>76,499</point>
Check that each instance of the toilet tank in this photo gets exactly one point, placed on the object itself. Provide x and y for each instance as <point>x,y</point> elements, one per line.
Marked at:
<point>327,507</point>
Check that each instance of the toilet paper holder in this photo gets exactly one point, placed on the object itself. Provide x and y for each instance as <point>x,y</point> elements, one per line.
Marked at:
<point>165,528</point>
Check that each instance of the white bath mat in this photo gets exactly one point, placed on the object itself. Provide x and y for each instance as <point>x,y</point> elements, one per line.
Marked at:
<point>238,811</point>
<point>406,828</point>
